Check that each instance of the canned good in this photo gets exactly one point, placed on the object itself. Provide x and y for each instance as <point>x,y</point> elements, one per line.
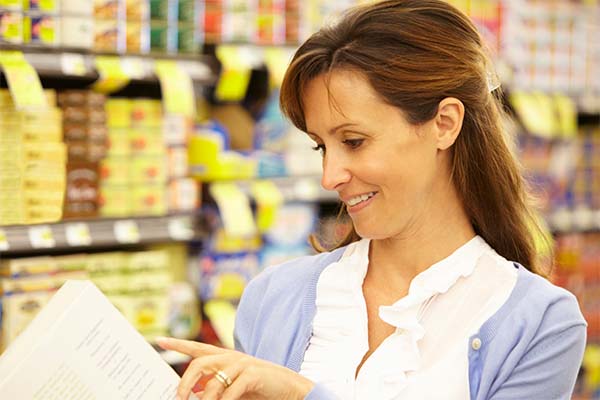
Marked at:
<point>11,27</point>
<point>41,29</point>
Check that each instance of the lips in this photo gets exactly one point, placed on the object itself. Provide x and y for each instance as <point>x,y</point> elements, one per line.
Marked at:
<point>354,200</point>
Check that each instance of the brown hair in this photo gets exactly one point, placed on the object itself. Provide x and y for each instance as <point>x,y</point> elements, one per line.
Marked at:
<point>415,53</point>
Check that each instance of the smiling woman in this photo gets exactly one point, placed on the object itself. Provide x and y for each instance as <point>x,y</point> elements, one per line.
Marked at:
<point>435,293</point>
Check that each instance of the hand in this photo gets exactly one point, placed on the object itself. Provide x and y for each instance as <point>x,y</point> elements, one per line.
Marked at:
<point>252,378</point>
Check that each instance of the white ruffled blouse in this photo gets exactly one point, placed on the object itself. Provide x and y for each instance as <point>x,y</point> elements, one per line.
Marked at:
<point>427,355</point>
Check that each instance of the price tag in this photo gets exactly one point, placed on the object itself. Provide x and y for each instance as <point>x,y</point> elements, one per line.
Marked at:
<point>180,228</point>
<point>78,234</point>
<point>134,67</point>
<point>177,88</point>
<point>41,237</point>
<point>73,64</point>
<point>112,74</point>
<point>235,76</point>
<point>127,231</point>
<point>23,81</point>
<point>268,200</point>
<point>3,241</point>
<point>234,207</point>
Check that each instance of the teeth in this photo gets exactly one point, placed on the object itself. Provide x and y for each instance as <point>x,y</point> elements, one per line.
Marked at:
<point>354,201</point>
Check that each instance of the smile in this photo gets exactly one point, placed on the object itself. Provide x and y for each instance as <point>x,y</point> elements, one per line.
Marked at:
<point>360,199</point>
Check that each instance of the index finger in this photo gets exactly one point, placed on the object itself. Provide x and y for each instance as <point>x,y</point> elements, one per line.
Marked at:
<point>189,347</point>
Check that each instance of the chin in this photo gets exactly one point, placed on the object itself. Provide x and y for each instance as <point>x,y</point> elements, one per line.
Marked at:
<point>370,232</point>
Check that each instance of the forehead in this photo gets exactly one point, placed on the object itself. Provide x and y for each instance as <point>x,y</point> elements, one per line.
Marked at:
<point>346,96</point>
<point>338,94</point>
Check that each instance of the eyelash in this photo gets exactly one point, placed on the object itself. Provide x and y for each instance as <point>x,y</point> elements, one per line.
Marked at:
<point>352,143</point>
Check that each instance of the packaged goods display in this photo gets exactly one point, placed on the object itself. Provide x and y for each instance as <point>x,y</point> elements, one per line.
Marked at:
<point>137,283</point>
<point>33,163</point>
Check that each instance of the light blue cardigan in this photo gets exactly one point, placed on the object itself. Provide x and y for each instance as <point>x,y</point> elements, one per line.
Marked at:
<point>530,349</point>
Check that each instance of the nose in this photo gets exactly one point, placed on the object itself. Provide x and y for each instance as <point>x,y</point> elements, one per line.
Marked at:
<point>335,172</point>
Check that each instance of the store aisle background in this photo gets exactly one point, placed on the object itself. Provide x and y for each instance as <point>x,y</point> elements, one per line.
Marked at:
<point>141,146</point>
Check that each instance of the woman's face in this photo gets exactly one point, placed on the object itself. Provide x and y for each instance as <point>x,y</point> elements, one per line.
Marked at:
<point>387,171</point>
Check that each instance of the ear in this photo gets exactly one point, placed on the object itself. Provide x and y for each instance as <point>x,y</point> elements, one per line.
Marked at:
<point>448,122</point>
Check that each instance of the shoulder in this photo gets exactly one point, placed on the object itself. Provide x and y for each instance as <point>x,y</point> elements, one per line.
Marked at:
<point>535,294</point>
<point>539,331</point>
<point>534,302</point>
<point>293,275</point>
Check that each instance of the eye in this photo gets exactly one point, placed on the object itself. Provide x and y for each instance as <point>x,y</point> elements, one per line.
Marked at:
<point>320,148</point>
<point>353,143</point>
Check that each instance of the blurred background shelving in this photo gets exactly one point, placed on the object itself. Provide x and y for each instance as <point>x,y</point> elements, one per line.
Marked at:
<point>141,146</point>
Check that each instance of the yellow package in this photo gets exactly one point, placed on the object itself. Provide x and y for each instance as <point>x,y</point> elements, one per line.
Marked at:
<point>145,142</point>
<point>43,214</point>
<point>11,158</point>
<point>118,142</point>
<point>149,281</point>
<point>10,132</point>
<point>146,113</point>
<point>118,113</point>
<point>72,262</point>
<point>149,199</point>
<point>150,312</point>
<point>19,310</point>
<point>148,169</point>
<point>27,266</point>
<point>43,198</point>
<point>11,180</point>
<point>6,100</point>
<point>44,176</point>
<point>15,216</point>
<point>45,152</point>
<point>112,262</point>
<point>111,282</point>
<point>50,97</point>
<point>38,282</point>
<point>149,260</point>
<point>114,200</point>
<point>114,170</point>
<point>9,198</point>
<point>42,133</point>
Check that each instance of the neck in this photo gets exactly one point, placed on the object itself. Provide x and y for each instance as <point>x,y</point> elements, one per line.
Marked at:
<point>437,233</point>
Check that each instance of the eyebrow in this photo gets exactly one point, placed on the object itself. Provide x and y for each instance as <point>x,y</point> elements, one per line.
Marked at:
<point>333,130</point>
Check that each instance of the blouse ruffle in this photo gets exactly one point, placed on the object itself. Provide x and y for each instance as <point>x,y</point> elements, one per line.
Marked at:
<point>340,328</point>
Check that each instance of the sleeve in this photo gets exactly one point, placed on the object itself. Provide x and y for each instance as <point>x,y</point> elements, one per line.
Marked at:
<point>319,392</point>
<point>549,368</point>
<point>248,309</point>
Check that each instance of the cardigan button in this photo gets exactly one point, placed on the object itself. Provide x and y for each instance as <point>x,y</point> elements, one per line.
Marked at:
<point>476,344</point>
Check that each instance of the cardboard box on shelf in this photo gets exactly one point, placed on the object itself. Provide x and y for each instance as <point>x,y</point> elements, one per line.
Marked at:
<point>147,169</point>
<point>27,266</point>
<point>80,98</point>
<point>183,194</point>
<point>81,195</point>
<point>148,199</point>
<point>114,200</point>
<point>115,170</point>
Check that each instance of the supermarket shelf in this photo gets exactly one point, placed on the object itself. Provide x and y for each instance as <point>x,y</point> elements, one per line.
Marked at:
<point>59,63</point>
<point>98,233</point>
<point>574,221</point>
<point>300,188</point>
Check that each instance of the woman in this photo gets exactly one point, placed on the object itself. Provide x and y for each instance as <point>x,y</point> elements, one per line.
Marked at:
<point>420,301</point>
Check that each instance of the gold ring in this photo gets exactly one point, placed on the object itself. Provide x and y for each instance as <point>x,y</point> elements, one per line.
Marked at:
<point>223,378</point>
